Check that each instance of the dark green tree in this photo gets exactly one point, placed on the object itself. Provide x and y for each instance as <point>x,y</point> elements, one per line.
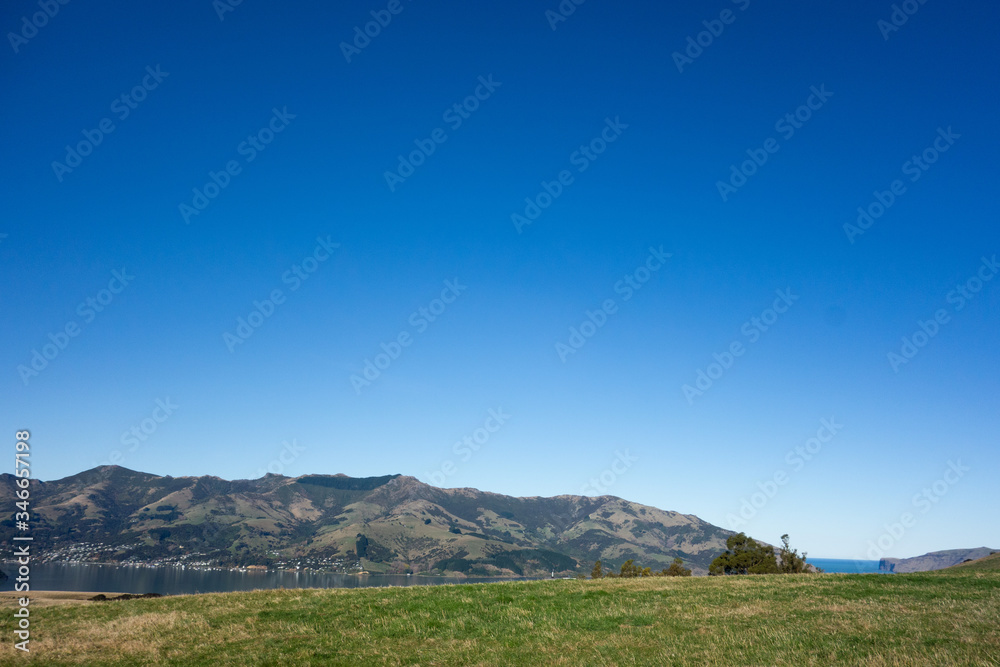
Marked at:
<point>744,555</point>
<point>676,569</point>
<point>789,560</point>
<point>362,546</point>
<point>597,573</point>
<point>629,569</point>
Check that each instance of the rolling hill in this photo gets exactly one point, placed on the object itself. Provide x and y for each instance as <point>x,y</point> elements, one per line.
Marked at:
<point>989,563</point>
<point>392,523</point>
<point>935,560</point>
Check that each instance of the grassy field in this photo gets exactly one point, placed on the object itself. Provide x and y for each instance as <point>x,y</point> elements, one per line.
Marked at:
<point>907,619</point>
<point>987,564</point>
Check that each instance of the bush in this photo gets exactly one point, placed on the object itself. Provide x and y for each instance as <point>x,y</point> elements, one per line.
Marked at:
<point>630,570</point>
<point>676,569</point>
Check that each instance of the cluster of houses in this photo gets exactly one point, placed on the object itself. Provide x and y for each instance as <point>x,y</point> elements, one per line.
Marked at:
<point>98,552</point>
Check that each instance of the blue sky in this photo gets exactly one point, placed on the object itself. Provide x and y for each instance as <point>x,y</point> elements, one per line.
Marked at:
<point>156,357</point>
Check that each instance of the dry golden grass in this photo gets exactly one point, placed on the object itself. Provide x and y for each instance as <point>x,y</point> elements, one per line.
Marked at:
<point>9,599</point>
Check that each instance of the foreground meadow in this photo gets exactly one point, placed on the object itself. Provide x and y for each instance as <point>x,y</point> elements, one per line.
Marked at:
<point>909,619</point>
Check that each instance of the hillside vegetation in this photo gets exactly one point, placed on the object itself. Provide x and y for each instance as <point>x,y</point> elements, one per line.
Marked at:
<point>898,620</point>
<point>987,564</point>
<point>936,560</point>
<point>391,523</point>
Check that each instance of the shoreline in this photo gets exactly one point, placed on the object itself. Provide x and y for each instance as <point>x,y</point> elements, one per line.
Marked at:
<point>266,570</point>
<point>8,599</point>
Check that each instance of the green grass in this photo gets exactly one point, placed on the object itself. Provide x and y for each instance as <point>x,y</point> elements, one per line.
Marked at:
<point>987,564</point>
<point>907,619</point>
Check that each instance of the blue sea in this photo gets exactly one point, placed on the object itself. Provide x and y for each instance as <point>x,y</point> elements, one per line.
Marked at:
<point>845,565</point>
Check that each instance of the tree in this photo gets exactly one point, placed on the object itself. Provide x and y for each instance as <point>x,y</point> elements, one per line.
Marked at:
<point>629,570</point>
<point>676,569</point>
<point>362,546</point>
<point>744,555</point>
<point>596,573</point>
<point>790,562</point>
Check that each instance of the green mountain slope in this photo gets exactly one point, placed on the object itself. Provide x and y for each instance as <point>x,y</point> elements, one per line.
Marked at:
<point>391,523</point>
<point>989,563</point>
<point>937,560</point>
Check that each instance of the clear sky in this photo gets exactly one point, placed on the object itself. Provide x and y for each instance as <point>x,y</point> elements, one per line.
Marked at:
<point>691,196</point>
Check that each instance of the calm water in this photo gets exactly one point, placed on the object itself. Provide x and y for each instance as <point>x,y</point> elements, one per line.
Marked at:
<point>845,565</point>
<point>176,581</point>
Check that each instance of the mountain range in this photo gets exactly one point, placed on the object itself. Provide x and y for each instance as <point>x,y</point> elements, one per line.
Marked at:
<point>392,523</point>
